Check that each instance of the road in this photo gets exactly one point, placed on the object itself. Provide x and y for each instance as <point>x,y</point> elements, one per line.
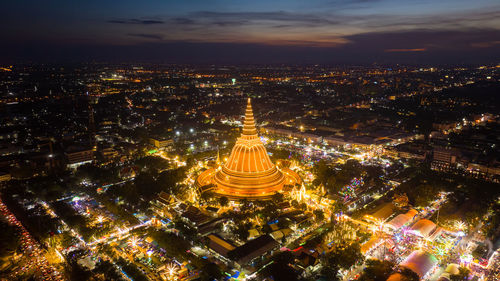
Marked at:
<point>33,252</point>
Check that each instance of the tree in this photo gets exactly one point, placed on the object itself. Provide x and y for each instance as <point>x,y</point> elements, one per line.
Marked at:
<point>284,223</point>
<point>332,186</point>
<point>207,196</point>
<point>377,270</point>
<point>186,230</point>
<point>153,163</point>
<point>319,215</point>
<point>321,171</point>
<point>339,207</point>
<point>244,204</point>
<point>277,198</point>
<point>463,274</point>
<point>223,201</point>
<point>107,269</point>
<point>210,271</point>
<point>242,231</point>
<point>8,243</point>
<point>424,194</point>
<point>279,269</point>
<point>330,272</point>
<point>353,167</point>
<point>343,256</point>
<point>408,274</point>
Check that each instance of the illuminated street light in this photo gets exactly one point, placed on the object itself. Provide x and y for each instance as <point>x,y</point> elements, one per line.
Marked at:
<point>133,242</point>
<point>172,270</point>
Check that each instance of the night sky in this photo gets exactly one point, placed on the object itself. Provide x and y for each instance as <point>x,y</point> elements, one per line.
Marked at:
<point>270,31</point>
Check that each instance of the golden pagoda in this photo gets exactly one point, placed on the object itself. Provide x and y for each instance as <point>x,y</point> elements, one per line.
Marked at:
<point>248,172</point>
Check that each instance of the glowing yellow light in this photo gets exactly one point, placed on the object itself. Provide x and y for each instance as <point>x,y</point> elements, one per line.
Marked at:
<point>172,271</point>
<point>133,242</point>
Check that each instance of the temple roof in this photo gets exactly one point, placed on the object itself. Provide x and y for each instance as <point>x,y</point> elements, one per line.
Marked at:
<point>249,154</point>
<point>248,172</point>
<point>249,129</point>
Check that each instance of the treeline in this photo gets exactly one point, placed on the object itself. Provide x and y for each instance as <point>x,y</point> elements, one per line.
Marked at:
<point>336,177</point>
<point>147,185</point>
<point>36,220</point>
<point>178,247</point>
<point>131,270</point>
<point>78,222</point>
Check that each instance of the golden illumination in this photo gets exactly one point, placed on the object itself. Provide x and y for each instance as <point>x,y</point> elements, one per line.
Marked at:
<point>248,172</point>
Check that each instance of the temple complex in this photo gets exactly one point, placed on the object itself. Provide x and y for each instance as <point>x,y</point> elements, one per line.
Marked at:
<point>248,172</point>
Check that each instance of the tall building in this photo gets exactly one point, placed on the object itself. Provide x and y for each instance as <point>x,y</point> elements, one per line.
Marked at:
<point>444,159</point>
<point>248,172</point>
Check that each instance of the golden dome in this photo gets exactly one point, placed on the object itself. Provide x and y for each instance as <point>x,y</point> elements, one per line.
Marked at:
<point>248,172</point>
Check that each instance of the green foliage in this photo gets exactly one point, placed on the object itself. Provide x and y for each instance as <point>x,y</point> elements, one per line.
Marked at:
<point>96,174</point>
<point>334,178</point>
<point>146,186</point>
<point>277,198</point>
<point>153,164</point>
<point>343,256</point>
<point>280,269</point>
<point>319,215</point>
<point>377,270</point>
<point>242,231</point>
<point>78,273</point>
<point>283,223</point>
<point>73,219</point>
<point>117,210</point>
<point>177,246</point>
<point>223,201</point>
<point>463,274</point>
<point>185,229</point>
<point>279,153</point>
<point>35,220</point>
<point>107,269</point>
<point>408,274</point>
<point>8,242</point>
<point>132,270</point>
<point>210,271</point>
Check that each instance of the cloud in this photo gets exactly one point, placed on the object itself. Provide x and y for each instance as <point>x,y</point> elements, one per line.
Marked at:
<point>146,35</point>
<point>182,21</point>
<point>456,20</point>
<point>488,44</point>
<point>405,50</point>
<point>303,19</point>
<point>136,21</point>
<point>426,39</point>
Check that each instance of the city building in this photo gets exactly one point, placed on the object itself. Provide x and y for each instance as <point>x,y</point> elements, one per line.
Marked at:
<point>5,176</point>
<point>252,249</point>
<point>160,142</point>
<point>219,245</point>
<point>444,158</point>
<point>78,156</point>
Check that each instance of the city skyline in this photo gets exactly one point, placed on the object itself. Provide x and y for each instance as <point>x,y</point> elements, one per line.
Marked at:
<point>326,32</point>
<point>337,140</point>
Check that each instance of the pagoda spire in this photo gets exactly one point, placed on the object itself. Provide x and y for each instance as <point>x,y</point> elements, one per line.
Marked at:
<point>249,123</point>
